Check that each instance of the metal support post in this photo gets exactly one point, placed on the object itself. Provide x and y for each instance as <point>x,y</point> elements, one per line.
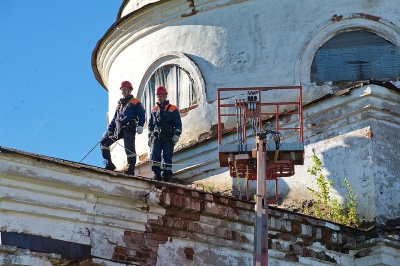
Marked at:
<point>261,223</point>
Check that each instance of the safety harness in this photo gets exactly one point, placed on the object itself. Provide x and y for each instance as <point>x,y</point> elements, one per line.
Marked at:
<point>159,118</point>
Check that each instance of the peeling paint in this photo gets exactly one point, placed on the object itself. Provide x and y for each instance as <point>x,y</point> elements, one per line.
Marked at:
<point>336,18</point>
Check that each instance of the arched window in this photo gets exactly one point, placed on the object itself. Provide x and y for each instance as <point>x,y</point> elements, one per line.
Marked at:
<point>356,55</point>
<point>179,84</point>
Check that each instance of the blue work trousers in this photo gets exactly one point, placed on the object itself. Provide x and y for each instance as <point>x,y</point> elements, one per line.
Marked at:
<point>164,148</point>
<point>129,144</point>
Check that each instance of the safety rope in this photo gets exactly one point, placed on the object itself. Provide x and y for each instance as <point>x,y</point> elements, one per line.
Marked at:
<point>115,141</point>
<point>195,163</point>
<point>89,151</point>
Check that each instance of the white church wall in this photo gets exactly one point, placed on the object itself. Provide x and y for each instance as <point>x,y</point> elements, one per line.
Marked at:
<point>266,44</point>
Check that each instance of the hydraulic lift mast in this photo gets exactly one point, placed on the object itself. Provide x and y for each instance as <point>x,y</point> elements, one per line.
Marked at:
<point>261,208</point>
<point>260,160</point>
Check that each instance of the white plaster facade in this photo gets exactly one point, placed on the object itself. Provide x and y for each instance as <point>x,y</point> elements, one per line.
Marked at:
<point>250,43</point>
<point>60,200</point>
<point>76,205</point>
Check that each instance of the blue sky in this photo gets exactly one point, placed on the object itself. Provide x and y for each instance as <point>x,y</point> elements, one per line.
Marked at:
<point>50,102</point>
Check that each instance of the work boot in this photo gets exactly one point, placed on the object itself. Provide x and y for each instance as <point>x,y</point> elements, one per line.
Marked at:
<point>131,170</point>
<point>157,177</point>
<point>109,165</point>
<point>167,178</point>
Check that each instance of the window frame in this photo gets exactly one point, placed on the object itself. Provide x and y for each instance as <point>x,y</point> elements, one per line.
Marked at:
<point>355,55</point>
<point>183,62</point>
<point>348,22</point>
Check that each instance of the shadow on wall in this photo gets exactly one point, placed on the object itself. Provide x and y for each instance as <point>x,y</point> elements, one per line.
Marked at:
<point>350,159</point>
<point>343,157</point>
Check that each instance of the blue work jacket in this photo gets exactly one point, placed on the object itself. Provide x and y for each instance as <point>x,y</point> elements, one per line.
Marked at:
<point>166,119</point>
<point>128,110</point>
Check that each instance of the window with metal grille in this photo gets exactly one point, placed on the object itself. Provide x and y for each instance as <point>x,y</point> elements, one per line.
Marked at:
<point>356,55</point>
<point>178,83</point>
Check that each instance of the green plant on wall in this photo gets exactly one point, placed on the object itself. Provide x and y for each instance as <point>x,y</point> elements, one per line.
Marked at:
<point>330,209</point>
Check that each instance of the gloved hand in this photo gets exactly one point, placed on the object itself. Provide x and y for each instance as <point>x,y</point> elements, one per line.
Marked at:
<point>149,141</point>
<point>139,130</point>
<point>175,139</point>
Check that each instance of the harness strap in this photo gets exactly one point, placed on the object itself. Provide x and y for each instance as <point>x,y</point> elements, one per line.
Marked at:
<point>125,105</point>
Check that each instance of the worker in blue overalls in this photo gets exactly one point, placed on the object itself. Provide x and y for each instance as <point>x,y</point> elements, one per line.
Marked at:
<point>128,119</point>
<point>165,128</point>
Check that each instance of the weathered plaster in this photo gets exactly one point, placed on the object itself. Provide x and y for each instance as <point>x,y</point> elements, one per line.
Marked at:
<point>166,225</point>
<point>267,44</point>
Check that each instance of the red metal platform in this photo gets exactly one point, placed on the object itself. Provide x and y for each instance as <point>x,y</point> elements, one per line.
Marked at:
<point>252,109</point>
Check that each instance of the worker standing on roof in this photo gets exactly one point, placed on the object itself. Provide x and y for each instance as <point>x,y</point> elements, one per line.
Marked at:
<point>128,119</point>
<point>165,128</point>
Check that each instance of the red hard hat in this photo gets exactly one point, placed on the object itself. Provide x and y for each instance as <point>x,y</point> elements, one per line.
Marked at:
<point>126,84</point>
<point>161,90</point>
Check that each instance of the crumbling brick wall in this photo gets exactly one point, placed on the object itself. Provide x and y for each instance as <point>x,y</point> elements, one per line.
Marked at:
<point>184,209</point>
<point>297,237</point>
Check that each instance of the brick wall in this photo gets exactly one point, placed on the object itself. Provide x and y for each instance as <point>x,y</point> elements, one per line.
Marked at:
<point>182,219</point>
<point>292,237</point>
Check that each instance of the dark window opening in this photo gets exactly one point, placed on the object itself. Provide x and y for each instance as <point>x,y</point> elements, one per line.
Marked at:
<point>179,84</point>
<point>356,55</point>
